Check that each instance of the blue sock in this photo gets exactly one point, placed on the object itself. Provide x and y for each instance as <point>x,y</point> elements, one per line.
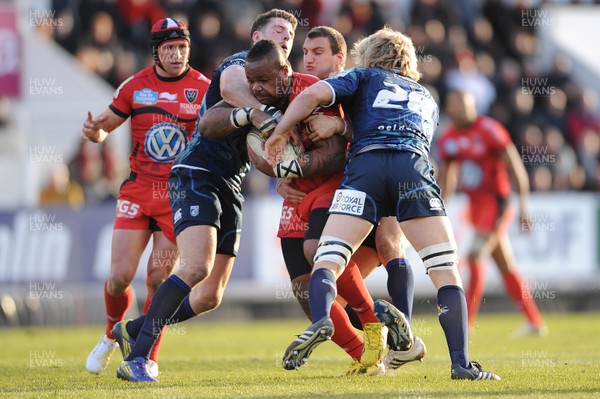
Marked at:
<point>135,325</point>
<point>401,285</point>
<point>164,305</point>
<point>184,312</point>
<point>322,291</point>
<point>452,315</point>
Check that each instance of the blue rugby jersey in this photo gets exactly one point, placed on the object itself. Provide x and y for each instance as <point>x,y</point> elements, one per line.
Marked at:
<point>225,157</point>
<point>387,110</point>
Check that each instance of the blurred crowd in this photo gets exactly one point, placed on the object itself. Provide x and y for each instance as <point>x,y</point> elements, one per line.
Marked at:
<point>486,47</point>
<point>91,176</point>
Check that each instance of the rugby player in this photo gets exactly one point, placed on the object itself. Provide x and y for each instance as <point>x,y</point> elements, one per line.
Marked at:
<point>325,56</point>
<point>162,101</point>
<point>481,148</point>
<point>317,173</point>
<point>206,202</point>
<point>393,123</point>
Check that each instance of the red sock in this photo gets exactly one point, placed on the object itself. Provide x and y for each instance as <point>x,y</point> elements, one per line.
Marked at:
<point>475,290</point>
<point>516,286</point>
<point>116,307</point>
<point>345,336</point>
<point>156,347</point>
<point>352,288</point>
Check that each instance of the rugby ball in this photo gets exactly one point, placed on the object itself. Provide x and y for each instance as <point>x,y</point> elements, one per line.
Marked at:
<point>256,144</point>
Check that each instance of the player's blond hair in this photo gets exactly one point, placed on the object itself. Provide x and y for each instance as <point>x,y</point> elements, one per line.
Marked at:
<point>387,49</point>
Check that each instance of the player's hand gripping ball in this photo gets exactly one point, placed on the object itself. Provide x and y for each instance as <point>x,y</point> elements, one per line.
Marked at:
<point>257,137</point>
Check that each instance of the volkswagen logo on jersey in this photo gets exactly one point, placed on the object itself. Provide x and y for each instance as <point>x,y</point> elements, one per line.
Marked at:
<point>164,141</point>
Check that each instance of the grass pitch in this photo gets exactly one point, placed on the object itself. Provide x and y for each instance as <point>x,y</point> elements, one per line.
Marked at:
<point>243,360</point>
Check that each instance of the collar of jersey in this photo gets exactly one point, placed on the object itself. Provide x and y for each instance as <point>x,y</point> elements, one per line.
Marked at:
<point>174,78</point>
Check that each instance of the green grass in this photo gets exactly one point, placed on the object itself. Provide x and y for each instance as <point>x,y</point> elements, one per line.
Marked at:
<point>242,360</point>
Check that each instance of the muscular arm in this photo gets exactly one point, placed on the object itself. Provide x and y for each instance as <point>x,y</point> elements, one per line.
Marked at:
<point>235,89</point>
<point>216,122</point>
<point>325,157</point>
<point>448,178</point>
<point>97,129</point>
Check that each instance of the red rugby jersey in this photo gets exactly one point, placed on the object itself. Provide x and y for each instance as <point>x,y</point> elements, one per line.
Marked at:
<point>477,150</point>
<point>291,223</point>
<point>163,115</point>
<point>301,82</point>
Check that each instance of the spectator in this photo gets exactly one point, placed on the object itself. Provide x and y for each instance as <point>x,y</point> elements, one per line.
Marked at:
<point>61,190</point>
<point>467,77</point>
<point>489,49</point>
<point>581,117</point>
<point>93,168</point>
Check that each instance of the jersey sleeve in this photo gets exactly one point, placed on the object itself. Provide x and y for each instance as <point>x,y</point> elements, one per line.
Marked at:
<point>496,136</point>
<point>122,99</point>
<point>344,85</point>
<point>233,61</point>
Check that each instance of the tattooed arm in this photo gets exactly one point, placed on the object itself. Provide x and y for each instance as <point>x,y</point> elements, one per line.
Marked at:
<point>324,158</point>
<point>218,121</point>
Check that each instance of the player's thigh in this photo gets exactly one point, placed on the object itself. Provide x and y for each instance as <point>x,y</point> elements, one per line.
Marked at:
<point>490,216</point>
<point>390,240</point>
<point>197,249</point>
<point>162,219</point>
<point>429,233</point>
<point>197,217</point>
<point>127,248</point>
<point>132,230</point>
<point>309,248</point>
<point>341,237</point>
<point>365,257</point>
<point>423,232</point>
<point>317,219</point>
<point>351,229</point>
<point>208,294</point>
<point>292,249</point>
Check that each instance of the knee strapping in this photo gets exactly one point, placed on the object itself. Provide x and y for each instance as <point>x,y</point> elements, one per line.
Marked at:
<point>439,257</point>
<point>333,249</point>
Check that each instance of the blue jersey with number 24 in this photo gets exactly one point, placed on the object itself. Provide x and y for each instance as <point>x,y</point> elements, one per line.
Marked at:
<point>387,110</point>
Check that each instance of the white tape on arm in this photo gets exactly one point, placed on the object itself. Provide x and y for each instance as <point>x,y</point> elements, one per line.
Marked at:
<point>240,117</point>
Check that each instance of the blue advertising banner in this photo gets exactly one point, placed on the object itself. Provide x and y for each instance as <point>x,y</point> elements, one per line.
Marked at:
<point>67,246</point>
